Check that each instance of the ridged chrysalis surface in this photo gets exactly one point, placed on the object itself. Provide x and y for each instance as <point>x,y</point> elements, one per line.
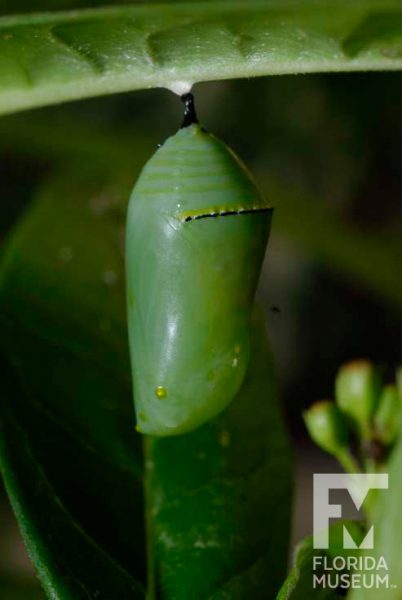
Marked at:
<point>197,229</point>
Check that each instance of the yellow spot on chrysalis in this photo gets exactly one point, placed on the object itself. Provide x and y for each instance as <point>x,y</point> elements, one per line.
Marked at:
<point>138,428</point>
<point>224,439</point>
<point>160,392</point>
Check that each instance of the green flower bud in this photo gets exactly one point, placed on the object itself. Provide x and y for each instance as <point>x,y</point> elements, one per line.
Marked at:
<point>326,426</point>
<point>387,419</point>
<point>357,388</point>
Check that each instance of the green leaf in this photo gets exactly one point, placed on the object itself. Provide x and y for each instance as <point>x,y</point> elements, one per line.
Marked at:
<point>50,58</point>
<point>70,458</point>
<point>218,499</point>
<point>388,533</point>
<point>71,562</point>
<point>299,583</point>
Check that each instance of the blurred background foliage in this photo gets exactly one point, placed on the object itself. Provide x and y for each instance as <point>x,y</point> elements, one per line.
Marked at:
<point>325,150</point>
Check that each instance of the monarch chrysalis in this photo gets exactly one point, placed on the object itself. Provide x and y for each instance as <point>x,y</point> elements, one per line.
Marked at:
<point>197,229</point>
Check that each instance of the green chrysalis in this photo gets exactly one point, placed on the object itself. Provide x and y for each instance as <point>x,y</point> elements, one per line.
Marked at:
<point>197,229</point>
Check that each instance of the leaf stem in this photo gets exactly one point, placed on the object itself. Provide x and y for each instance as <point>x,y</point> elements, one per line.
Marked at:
<point>348,462</point>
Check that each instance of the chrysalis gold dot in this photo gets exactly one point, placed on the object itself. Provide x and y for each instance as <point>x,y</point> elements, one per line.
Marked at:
<point>160,392</point>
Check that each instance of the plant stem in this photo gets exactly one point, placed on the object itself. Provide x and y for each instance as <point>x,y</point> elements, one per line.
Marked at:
<point>348,461</point>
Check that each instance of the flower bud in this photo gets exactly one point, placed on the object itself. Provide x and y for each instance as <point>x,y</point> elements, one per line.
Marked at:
<point>387,419</point>
<point>357,388</point>
<point>326,426</point>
